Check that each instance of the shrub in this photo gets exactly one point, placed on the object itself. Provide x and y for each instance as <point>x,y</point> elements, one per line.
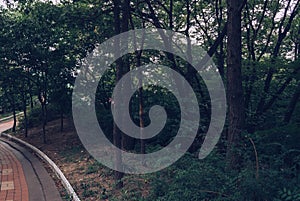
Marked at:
<point>35,118</point>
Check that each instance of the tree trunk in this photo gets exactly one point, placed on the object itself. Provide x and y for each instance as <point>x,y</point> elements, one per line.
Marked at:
<point>25,122</point>
<point>234,82</point>
<point>15,120</point>
<point>116,131</point>
<point>128,142</point>
<point>44,122</point>
<point>219,16</point>
<point>44,112</point>
<point>31,100</point>
<point>30,90</point>
<point>14,113</point>
<point>61,119</point>
<point>42,99</point>
<point>138,55</point>
<point>25,113</point>
<point>141,116</point>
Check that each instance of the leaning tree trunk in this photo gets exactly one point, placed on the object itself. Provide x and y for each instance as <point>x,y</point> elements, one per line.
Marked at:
<point>234,82</point>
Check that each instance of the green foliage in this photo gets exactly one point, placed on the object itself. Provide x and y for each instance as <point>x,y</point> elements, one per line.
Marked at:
<point>191,179</point>
<point>287,136</point>
<point>34,115</point>
<point>288,195</point>
<point>92,168</point>
<point>86,191</point>
<point>42,44</point>
<point>71,154</point>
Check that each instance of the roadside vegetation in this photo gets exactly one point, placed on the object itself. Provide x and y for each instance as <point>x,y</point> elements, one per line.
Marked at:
<point>255,45</point>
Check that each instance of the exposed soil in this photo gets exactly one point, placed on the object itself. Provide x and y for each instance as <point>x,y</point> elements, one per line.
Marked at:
<point>90,179</point>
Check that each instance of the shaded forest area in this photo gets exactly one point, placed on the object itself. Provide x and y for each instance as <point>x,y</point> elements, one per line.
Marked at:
<point>255,45</point>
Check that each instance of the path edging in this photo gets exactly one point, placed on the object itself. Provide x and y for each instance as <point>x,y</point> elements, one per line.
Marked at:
<point>54,167</point>
<point>10,117</point>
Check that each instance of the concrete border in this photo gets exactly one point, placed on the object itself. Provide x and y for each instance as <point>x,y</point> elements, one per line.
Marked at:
<point>54,167</point>
<point>41,186</point>
<point>10,117</point>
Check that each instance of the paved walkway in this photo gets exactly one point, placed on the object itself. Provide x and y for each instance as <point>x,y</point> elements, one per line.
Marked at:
<point>12,178</point>
<point>22,175</point>
<point>5,125</point>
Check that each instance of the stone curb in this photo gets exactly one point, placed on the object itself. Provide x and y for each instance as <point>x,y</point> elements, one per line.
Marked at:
<point>54,167</point>
<point>10,117</point>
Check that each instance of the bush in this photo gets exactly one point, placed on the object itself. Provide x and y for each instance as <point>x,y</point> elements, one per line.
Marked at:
<point>35,118</point>
<point>192,179</point>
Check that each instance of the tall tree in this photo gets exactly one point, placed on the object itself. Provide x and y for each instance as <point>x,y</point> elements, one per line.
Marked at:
<point>235,98</point>
<point>127,141</point>
<point>117,135</point>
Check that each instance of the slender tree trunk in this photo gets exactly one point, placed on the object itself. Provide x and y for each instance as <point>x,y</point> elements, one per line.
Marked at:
<point>43,101</point>
<point>14,110</point>
<point>31,100</point>
<point>234,82</point>
<point>221,60</point>
<point>44,111</point>
<point>25,113</point>
<point>128,142</point>
<point>141,111</point>
<point>141,116</point>
<point>219,16</point>
<point>118,163</point>
<point>190,69</point>
<point>30,92</point>
<point>46,97</point>
<point>117,136</point>
<point>43,104</point>
<point>14,113</point>
<point>61,118</point>
<point>25,121</point>
<point>44,122</point>
<point>138,55</point>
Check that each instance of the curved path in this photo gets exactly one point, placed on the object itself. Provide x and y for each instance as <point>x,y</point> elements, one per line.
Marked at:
<point>22,175</point>
<point>5,125</point>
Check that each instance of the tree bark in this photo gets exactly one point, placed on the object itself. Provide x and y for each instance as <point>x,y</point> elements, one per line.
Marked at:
<point>14,113</point>
<point>128,142</point>
<point>25,112</point>
<point>117,136</point>
<point>234,82</point>
<point>44,122</point>
<point>141,116</point>
<point>61,117</point>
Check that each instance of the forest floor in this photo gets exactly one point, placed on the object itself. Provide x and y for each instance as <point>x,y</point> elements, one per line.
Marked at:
<point>90,179</point>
